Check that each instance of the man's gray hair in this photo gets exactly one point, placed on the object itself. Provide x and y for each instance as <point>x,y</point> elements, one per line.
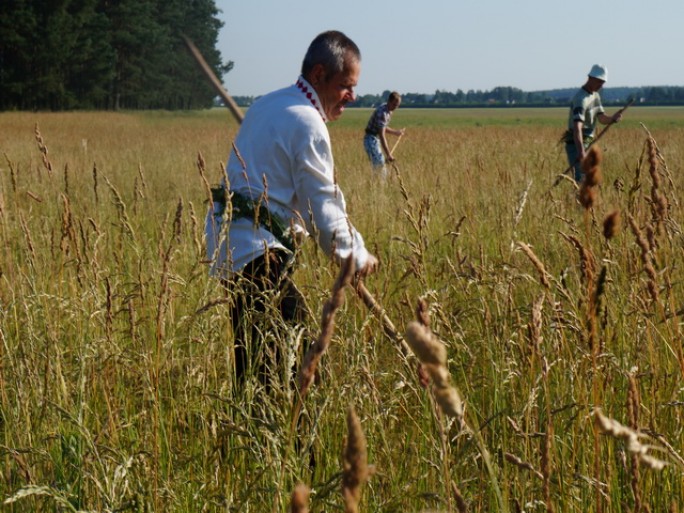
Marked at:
<point>332,49</point>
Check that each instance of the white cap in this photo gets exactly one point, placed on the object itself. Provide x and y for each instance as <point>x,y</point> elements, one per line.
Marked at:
<point>599,71</point>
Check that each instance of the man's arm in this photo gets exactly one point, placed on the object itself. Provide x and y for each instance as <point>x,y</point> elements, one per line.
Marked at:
<point>385,145</point>
<point>605,119</point>
<point>579,139</point>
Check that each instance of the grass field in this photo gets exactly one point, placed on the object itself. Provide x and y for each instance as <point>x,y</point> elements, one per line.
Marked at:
<point>562,332</point>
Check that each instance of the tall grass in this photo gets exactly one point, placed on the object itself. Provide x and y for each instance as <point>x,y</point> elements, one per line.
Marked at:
<point>560,323</point>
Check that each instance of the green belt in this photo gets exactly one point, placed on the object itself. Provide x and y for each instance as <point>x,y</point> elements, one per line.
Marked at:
<point>242,206</point>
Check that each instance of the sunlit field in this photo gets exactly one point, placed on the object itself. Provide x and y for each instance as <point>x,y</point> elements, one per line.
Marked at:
<point>559,311</point>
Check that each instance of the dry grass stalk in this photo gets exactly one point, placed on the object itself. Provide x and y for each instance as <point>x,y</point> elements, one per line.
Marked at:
<point>163,298</point>
<point>591,165</point>
<point>633,416</point>
<point>195,225</point>
<point>661,164</point>
<point>29,240</point>
<point>43,150</point>
<point>612,224</point>
<point>137,193</point>
<point>68,238</point>
<point>423,313</point>
<point>659,204</point>
<point>587,197</point>
<point>142,180</point>
<point>13,174</point>
<point>131,320</point>
<point>630,437</point>
<point>178,220</point>
<point>66,179</point>
<point>109,310</point>
<point>512,458</point>
<point>521,205</point>
<point>646,259</point>
<point>651,236</point>
<point>433,355</point>
<point>587,259</point>
<point>121,207</point>
<point>299,501</point>
<point>34,197</point>
<point>599,290</point>
<point>461,504</point>
<point>546,467</point>
<point>588,266</point>
<point>535,326</point>
<point>97,197</point>
<point>355,467</point>
<point>315,352</point>
<point>643,243</point>
<point>543,275</point>
<point>201,167</point>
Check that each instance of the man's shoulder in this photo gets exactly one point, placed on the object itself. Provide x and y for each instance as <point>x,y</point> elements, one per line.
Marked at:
<point>287,102</point>
<point>582,96</point>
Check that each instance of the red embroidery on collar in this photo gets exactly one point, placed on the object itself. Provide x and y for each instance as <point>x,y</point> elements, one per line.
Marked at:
<point>310,96</point>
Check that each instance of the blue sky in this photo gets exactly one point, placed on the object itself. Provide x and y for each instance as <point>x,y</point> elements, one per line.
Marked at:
<point>425,45</point>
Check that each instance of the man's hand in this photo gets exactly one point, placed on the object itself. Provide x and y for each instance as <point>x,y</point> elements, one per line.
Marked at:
<point>371,266</point>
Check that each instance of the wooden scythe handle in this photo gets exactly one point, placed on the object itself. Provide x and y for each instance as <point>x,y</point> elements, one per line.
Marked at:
<point>209,73</point>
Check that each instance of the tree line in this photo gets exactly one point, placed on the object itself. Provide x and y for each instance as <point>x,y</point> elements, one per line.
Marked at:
<point>512,97</point>
<point>106,54</point>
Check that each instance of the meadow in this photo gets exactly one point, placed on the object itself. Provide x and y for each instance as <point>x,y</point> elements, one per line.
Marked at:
<point>559,320</point>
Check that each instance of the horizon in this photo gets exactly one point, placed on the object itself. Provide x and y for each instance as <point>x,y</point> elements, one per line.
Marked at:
<point>487,90</point>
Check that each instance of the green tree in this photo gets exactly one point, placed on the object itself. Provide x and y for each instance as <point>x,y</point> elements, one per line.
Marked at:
<point>18,26</point>
<point>63,54</point>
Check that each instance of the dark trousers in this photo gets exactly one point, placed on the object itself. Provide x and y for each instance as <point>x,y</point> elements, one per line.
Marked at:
<point>265,300</point>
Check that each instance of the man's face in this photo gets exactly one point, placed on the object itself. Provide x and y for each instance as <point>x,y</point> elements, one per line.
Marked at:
<point>595,84</point>
<point>337,91</point>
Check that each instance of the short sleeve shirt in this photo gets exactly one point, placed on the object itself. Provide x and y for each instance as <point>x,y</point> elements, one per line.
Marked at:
<point>379,120</point>
<point>585,107</point>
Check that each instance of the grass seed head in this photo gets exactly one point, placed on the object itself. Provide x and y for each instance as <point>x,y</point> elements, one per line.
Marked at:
<point>425,345</point>
<point>299,501</point>
<point>611,224</point>
<point>356,471</point>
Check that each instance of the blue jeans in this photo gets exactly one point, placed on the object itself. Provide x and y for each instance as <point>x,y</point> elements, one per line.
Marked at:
<point>373,148</point>
<point>573,160</point>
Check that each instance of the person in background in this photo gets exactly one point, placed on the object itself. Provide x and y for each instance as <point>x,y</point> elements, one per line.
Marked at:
<point>375,140</point>
<point>585,110</point>
<point>280,187</point>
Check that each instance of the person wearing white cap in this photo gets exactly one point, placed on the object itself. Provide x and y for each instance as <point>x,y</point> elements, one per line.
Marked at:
<point>585,110</point>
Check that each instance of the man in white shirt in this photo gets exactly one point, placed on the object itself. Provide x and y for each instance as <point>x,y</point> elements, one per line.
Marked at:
<point>281,184</point>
